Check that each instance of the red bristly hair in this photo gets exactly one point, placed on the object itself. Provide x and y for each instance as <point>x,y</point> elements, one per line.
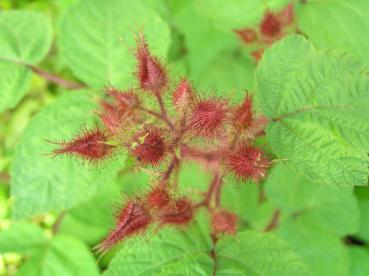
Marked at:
<point>134,218</point>
<point>224,222</point>
<point>91,145</point>
<point>150,148</point>
<point>206,131</point>
<point>207,116</point>
<point>150,73</point>
<point>248,162</point>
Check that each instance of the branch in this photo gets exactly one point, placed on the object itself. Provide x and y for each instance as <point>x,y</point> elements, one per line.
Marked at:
<point>47,75</point>
<point>169,171</point>
<point>55,79</point>
<point>58,221</point>
<point>157,115</point>
<point>274,221</point>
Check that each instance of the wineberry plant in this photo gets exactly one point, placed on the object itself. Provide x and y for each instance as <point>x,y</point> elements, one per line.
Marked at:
<point>209,130</point>
<point>198,137</point>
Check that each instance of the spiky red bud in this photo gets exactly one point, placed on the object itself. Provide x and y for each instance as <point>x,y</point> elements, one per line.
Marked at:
<point>132,219</point>
<point>150,148</point>
<point>247,35</point>
<point>183,94</point>
<point>150,73</point>
<point>248,162</point>
<point>90,145</point>
<point>127,99</point>
<point>180,212</point>
<point>224,222</point>
<point>208,116</point>
<point>111,117</point>
<point>158,197</point>
<point>270,26</point>
<point>243,116</point>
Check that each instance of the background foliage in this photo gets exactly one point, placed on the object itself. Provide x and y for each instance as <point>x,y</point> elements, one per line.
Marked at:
<point>54,211</point>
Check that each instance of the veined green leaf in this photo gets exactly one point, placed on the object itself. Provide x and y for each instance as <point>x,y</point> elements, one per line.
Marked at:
<point>338,24</point>
<point>25,38</point>
<point>322,250</point>
<point>42,183</point>
<point>317,104</point>
<point>190,252</point>
<point>21,237</point>
<point>329,207</point>
<point>96,38</point>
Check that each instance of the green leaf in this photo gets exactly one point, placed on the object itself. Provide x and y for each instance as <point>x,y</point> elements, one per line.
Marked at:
<point>63,255</point>
<point>257,254</point>
<point>201,49</point>
<point>359,261</point>
<point>170,252</point>
<point>338,24</point>
<point>188,252</point>
<point>244,200</point>
<point>41,183</point>
<point>233,14</point>
<point>21,237</point>
<point>20,45</point>
<point>91,220</point>
<point>316,102</point>
<point>329,207</point>
<point>96,37</point>
<point>363,198</point>
<point>226,77</point>
<point>321,250</point>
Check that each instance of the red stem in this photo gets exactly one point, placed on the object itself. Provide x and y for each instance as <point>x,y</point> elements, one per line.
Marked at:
<point>56,79</point>
<point>157,115</point>
<point>163,110</point>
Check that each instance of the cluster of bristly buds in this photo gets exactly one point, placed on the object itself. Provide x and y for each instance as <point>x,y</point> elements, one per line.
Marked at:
<point>165,136</point>
<point>272,27</point>
<point>156,208</point>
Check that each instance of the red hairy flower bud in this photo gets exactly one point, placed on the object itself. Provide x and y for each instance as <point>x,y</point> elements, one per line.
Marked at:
<point>158,197</point>
<point>183,94</point>
<point>179,212</point>
<point>248,162</point>
<point>134,218</point>
<point>126,100</point>
<point>247,35</point>
<point>224,222</point>
<point>113,115</point>
<point>90,145</point>
<point>150,72</point>
<point>270,25</point>
<point>207,116</point>
<point>243,116</point>
<point>150,148</point>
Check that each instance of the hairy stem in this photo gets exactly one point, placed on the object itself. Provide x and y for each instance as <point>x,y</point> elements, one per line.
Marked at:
<point>214,188</point>
<point>274,221</point>
<point>157,115</point>
<point>47,75</point>
<point>169,171</point>
<point>57,223</point>
<point>213,253</point>
<point>56,79</point>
